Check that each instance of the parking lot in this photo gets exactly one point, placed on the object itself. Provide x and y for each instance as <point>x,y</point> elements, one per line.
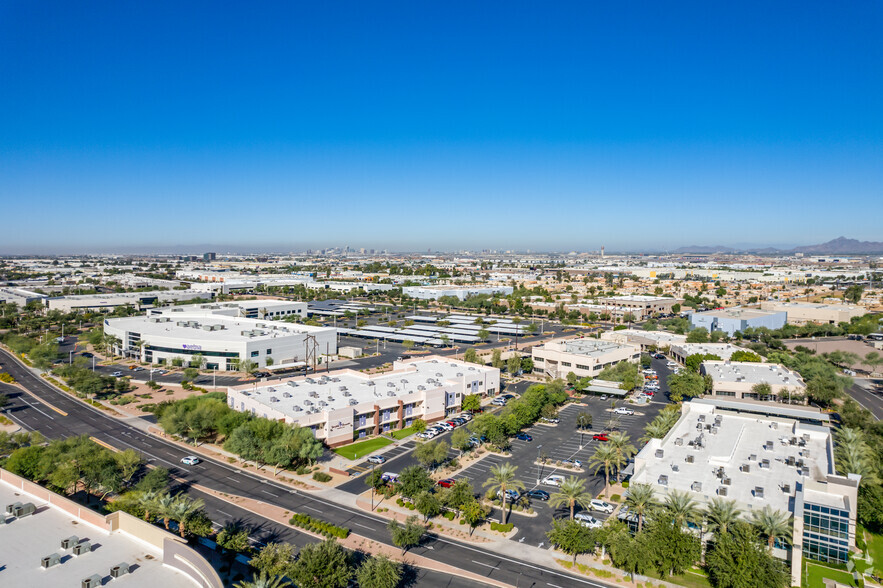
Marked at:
<point>558,442</point>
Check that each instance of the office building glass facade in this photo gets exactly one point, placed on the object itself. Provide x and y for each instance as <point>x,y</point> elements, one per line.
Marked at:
<point>825,533</point>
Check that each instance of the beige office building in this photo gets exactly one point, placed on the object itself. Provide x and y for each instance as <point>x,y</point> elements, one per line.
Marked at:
<point>736,379</point>
<point>583,357</point>
<point>801,313</point>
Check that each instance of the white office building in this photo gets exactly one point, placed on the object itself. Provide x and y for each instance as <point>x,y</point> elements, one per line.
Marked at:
<point>737,379</point>
<point>137,300</point>
<point>725,351</point>
<point>583,357</point>
<point>345,405</point>
<point>759,455</point>
<point>461,292</point>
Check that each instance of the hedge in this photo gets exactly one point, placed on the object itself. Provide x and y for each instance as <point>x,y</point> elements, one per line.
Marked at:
<point>305,521</point>
<point>321,477</point>
<point>501,527</point>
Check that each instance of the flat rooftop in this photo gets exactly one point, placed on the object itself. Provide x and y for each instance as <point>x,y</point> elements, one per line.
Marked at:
<point>639,298</point>
<point>738,313</point>
<point>722,350</point>
<point>751,373</point>
<point>592,348</point>
<point>297,396</point>
<point>212,327</point>
<point>26,540</point>
<point>753,458</point>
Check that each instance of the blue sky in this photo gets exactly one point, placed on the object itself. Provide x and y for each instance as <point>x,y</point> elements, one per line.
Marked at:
<point>549,126</point>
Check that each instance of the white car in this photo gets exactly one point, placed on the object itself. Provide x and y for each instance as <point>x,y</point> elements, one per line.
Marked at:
<point>117,374</point>
<point>587,520</point>
<point>466,416</point>
<point>445,426</point>
<point>190,460</point>
<point>670,364</point>
<point>601,506</point>
<point>623,410</point>
<point>554,480</point>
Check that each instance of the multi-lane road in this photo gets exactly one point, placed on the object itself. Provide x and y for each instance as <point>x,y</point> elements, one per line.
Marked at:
<point>57,415</point>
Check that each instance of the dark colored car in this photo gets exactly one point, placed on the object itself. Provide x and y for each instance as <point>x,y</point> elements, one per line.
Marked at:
<point>600,437</point>
<point>447,482</point>
<point>538,494</point>
<point>524,437</point>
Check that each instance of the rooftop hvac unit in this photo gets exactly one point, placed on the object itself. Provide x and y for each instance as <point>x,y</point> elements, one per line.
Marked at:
<point>745,468</point>
<point>91,582</point>
<point>353,402</point>
<point>292,384</point>
<point>421,387</point>
<point>314,394</point>
<point>69,542</point>
<point>722,491</point>
<point>679,441</point>
<point>758,492</point>
<point>273,399</point>
<point>765,464</point>
<point>121,569</point>
<point>690,459</point>
<point>50,560</point>
<point>347,394</point>
<point>390,384</point>
<point>789,460</point>
<point>714,430</point>
<point>342,388</point>
<point>438,375</point>
<point>675,467</point>
<point>726,481</point>
<point>24,510</point>
<point>698,426</point>
<point>752,457</point>
<point>768,445</point>
<point>11,507</point>
<point>371,383</point>
<point>296,408</point>
<point>663,480</point>
<point>696,487</point>
<point>286,395</point>
<point>660,453</point>
<point>336,380</point>
<point>404,381</point>
<point>82,548</point>
<point>786,488</point>
<point>459,374</point>
<point>330,398</point>
<point>308,402</point>
<point>701,418</point>
<point>774,425</point>
<point>390,393</point>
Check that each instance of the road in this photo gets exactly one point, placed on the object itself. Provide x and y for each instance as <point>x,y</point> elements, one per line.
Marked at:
<point>34,412</point>
<point>863,391</point>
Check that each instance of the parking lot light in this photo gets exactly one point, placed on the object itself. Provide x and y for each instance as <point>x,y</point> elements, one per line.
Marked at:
<point>539,469</point>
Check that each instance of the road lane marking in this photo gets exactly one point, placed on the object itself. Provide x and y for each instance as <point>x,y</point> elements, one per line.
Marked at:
<point>485,565</point>
<point>270,493</point>
<point>314,509</point>
<point>363,526</point>
<point>48,416</point>
<point>103,444</point>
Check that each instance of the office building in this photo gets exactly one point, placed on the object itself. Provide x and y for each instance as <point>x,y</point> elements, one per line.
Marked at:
<point>759,455</point>
<point>344,405</point>
<point>583,357</point>
<point>725,351</point>
<point>645,339</point>
<point>461,292</point>
<point>642,307</point>
<point>108,302</point>
<point>801,313</point>
<point>731,320</point>
<point>738,380</point>
<point>50,541</point>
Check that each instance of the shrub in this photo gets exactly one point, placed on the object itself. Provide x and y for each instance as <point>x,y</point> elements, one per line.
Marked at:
<point>615,498</point>
<point>449,516</point>
<point>302,470</point>
<point>625,484</point>
<point>305,521</point>
<point>501,527</point>
<point>321,477</point>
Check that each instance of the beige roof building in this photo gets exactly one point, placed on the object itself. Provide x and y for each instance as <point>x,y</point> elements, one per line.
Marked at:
<point>736,379</point>
<point>583,357</point>
<point>800,313</point>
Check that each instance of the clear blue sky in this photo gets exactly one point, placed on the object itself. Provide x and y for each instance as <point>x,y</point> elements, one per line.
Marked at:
<point>415,125</point>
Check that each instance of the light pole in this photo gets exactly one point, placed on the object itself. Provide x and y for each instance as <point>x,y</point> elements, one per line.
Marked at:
<point>539,466</point>
<point>373,465</point>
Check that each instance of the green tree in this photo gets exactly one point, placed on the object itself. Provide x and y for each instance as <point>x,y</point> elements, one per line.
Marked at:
<point>379,572</point>
<point>853,455</point>
<point>698,335</point>
<point>853,293</point>
<point>413,480</point>
<point>473,513</point>
<point>233,538</point>
<point>605,457</point>
<point>471,356</point>
<point>748,356</point>
<point>571,492</point>
<point>264,580</point>
<point>513,365</point>
<point>483,334</point>
<point>322,565</point>
<point>621,443</point>
<point>694,361</point>
<point>502,478</point>
<point>682,508</point>
<point>418,425</point>
<point>674,549</point>
<point>428,505</point>
<point>584,420</point>
<point>641,500</point>
<point>772,524</point>
<point>686,384</point>
<point>471,402</point>
<point>738,560</point>
<point>408,535</point>
<point>497,359</point>
<point>721,515</point>
<point>183,509</point>
<point>460,439</point>
<point>572,537</point>
<point>431,453</point>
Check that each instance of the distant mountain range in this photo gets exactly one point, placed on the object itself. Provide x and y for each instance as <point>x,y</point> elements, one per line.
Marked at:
<point>838,246</point>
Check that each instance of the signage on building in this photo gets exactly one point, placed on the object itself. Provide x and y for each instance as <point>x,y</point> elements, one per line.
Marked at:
<point>193,347</point>
<point>339,425</point>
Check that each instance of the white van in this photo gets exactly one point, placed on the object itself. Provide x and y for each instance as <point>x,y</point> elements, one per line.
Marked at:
<point>554,480</point>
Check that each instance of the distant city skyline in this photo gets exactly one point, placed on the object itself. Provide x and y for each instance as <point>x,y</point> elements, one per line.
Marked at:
<point>459,126</point>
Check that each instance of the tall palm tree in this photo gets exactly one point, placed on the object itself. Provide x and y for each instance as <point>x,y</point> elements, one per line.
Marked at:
<point>182,509</point>
<point>641,500</point>
<point>775,524</point>
<point>655,429</point>
<point>681,507</point>
<point>163,505</point>
<point>264,580</point>
<point>572,492</point>
<point>605,457</point>
<point>853,455</point>
<point>624,449</point>
<point>147,501</point>
<point>721,514</point>
<point>502,479</point>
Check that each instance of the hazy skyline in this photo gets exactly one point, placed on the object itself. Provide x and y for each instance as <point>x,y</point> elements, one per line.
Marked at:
<point>458,126</point>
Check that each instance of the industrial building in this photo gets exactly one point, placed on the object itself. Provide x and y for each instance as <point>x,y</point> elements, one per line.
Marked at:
<point>583,357</point>
<point>461,292</point>
<point>344,405</point>
<point>759,455</point>
<point>643,307</point>
<point>223,335</point>
<point>801,313</point>
<point>737,379</point>
<point>107,302</point>
<point>20,296</point>
<point>49,541</point>
<point>737,319</point>
<point>645,339</point>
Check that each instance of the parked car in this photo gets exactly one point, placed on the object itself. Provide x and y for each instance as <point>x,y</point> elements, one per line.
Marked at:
<point>466,416</point>
<point>623,410</point>
<point>447,482</point>
<point>190,460</point>
<point>553,480</point>
<point>538,494</point>
<point>604,397</point>
<point>499,402</point>
<point>574,463</point>
<point>552,421</point>
<point>377,459</point>
<point>601,506</point>
<point>587,520</point>
<point>670,364</point>
<point>117,374</point>
<point>511,495</point>
<point>508,396</point>
<point>523,437</point>
<point>659,356</point>
<point>600,437</point>
<point>445,426</point>
<point>389,477</point>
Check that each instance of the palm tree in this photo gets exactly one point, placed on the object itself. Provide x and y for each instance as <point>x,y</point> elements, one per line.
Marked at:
<point>721,514</point>
<point>605,457</point>
<point>502,479</point>
<point>655,429</point>
<point>182,509</point>
<point>624,449</point>
<point>853,455</point>
<point>682,508</point>
<point>163,505</point>
<point>641,500</point>
<point>264,580</point>
<point>572,492</point>
<point>775,524</point>
<point>147,501</point>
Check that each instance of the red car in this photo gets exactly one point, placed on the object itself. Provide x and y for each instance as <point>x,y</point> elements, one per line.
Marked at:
<point>600,437</point>
<point>452,423</point>
<point>447,482</point>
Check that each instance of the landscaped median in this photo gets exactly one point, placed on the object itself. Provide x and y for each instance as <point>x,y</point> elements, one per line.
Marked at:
<point>363,448</point>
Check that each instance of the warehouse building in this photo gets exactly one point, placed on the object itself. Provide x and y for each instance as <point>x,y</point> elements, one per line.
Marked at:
<point>221,337</point>
<point>737,319</point>
<point>107,302</point>
<point>645,339</point>
<point>583,357</point>
<point>259,309</point>
<point>642,307</point>
<point>346,405</point>
<point>735,379</point>
<point>49,541</point>
<point>766,455</point>
<point>461,292</point>
<point>801,313</point>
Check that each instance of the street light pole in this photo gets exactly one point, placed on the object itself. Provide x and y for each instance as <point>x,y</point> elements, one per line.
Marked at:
<point>539,467</point>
